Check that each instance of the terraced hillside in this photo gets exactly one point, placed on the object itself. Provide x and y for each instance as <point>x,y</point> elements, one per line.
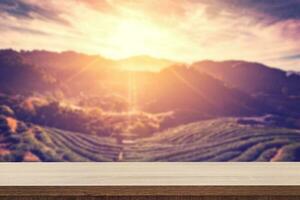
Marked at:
<point>223,139</point>
<point>219,140</point>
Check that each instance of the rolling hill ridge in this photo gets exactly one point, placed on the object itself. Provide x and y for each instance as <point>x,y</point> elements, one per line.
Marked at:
<point>75,107</point>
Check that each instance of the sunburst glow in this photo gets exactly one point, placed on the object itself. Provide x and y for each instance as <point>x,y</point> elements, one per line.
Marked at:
<point>184,31</point>
<point>149,80</point>
<point>133,37</point>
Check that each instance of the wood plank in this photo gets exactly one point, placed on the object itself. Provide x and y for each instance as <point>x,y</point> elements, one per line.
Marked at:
<point>150,198</point>
<point>150,191</point>
<point>149,174</point>
<point>143,180</point>
<point>153,198</point>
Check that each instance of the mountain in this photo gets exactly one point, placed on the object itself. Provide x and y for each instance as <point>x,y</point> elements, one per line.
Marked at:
<point>67,60</point>
<point>253,78</point>
<point>73,72</point>
<point>17,76</point>
<point>190,92</point>
<point>279,90</point>
<point>69,65</point>
<point>75,107</point>
<point>144,63</point>
<point>185,90</point>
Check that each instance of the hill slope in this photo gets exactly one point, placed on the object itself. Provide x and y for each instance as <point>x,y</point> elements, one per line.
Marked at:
<point>224,139</point>
<point>253,78</point>
<point>74,107</point>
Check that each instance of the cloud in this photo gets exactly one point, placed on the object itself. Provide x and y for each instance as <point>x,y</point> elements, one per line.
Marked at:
<point>292,57</point>
<point>261,11</point>
<point>22,9</point>
<point>99,5</point>
<point>8,28</point>
<point>186,30</point>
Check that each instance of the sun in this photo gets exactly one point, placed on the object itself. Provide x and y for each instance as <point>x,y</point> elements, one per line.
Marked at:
<point>136,37</point>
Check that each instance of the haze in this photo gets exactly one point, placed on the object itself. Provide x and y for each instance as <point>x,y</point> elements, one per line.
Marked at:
<point>178,30</point>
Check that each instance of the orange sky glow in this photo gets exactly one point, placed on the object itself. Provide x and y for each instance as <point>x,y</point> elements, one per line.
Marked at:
<point>180,30</point>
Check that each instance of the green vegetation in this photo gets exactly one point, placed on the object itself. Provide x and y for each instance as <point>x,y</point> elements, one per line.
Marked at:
<point>223,139</point>
<point>74,107</point>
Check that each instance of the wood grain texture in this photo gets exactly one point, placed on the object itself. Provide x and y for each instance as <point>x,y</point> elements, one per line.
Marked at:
<point>149,174</point>
<point>153,198</point>
<point>78,191</point>
<point>121,181</point>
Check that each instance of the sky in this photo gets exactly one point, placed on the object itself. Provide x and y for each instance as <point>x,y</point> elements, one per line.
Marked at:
<point>266,31</point>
